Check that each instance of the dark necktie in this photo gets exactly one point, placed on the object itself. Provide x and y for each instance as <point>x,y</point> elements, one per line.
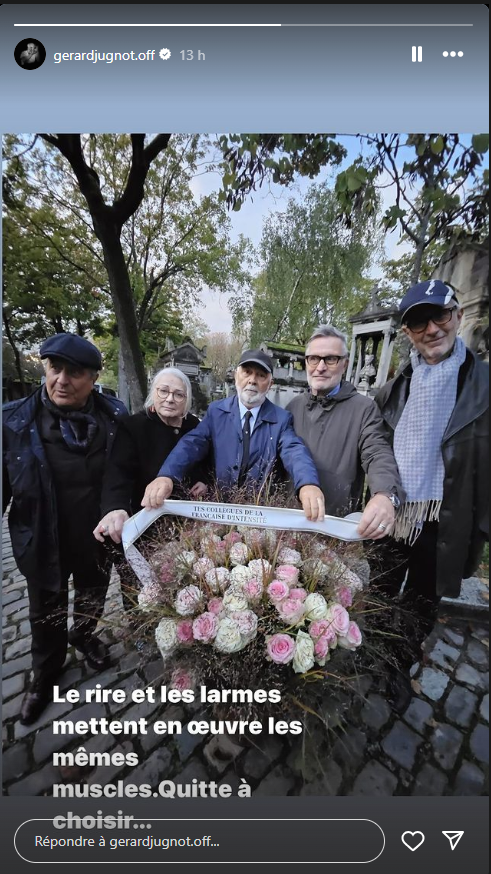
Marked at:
<point>246,440</point>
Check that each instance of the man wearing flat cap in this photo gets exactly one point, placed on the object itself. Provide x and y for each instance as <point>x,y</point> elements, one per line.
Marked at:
<point>436,412</point>
<point>54,450</point>
<point>250,437</point>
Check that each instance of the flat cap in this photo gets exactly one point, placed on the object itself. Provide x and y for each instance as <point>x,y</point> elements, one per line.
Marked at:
<point>72,348</point>
<point>257,356</point>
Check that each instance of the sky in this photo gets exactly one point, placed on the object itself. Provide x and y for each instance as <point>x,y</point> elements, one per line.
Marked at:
<point>272,198</point>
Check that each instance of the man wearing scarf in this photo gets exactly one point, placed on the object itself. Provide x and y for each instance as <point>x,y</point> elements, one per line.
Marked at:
<point>55,444</point>
<point>436,411</point>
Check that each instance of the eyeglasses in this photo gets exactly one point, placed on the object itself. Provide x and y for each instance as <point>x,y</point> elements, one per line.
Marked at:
<point>417,323</point>
<point>163,392</point>
<point>329,360</point>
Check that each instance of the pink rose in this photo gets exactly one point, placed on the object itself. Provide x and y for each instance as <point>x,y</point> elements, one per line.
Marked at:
<point>232,537</point>
<point>288,573</point>
<point>352,639</point>
<point>278,590</point>
<point>205,627</point>
<point>291,611</point>
<point>298,594</point>
<point>253,590</point>
<point>321,648</point>
<point>318,628</point>
<point>215,606</point>
<point>281,648</point>
<point>344,596</point>
<point>184,631</point>
<point>339,618</point>
<point>181,680</point>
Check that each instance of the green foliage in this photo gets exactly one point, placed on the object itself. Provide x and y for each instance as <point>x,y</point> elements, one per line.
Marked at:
<point>173,243</point>
<point>441,189</point>
<point>313,270</point>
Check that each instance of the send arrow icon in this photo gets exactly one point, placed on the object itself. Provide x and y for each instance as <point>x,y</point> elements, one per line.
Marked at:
<point>453,837</point>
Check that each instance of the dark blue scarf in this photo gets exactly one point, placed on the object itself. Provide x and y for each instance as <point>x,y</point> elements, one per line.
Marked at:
<point>77,427</point>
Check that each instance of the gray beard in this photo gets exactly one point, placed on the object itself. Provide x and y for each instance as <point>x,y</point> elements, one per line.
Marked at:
<point>252,402</point>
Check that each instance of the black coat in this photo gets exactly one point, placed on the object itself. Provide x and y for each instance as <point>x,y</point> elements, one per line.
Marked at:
<point>27,480</point>
<point>463,525</point>
<point>143,442</point>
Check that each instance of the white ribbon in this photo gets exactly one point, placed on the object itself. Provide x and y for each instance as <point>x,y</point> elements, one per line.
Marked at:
<point>231,514</point>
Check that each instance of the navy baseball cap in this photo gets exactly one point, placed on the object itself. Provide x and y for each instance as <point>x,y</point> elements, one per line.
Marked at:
<point>72,348</point>
<point>257,356</point>
<point>432,291</point>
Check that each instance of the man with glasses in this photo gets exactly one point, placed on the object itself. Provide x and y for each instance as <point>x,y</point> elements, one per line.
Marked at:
<point>436,412</point>
<point>346,437</point>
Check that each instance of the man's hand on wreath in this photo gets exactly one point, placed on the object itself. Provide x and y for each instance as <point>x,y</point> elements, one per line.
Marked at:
<point>312,501</point>
<point>111,525</point>
<point>198,490</point>
<point>156,492</point>
<point>378,518</point>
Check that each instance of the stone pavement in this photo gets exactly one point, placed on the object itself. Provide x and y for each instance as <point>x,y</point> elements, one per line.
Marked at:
<point>439,747</point>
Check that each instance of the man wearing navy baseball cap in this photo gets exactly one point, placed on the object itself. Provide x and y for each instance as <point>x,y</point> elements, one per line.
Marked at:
<point>250,438</point>
<point>55,445</point>
<point>436,412</point>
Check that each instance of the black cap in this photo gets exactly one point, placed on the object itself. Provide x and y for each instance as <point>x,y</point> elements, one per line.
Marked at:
<point>257,356</point>
<point>72,348</point>
<point>432,291</point>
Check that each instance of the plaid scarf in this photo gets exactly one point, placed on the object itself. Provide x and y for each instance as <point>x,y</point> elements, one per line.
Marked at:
<point>418,440</point>
<point>77,427</point>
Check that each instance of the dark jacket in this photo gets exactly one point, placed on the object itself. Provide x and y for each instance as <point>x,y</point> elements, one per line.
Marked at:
<point>346,437</point>
<point>463,526</point>
<point>27,480</point>
<point>141,445</point>
<point>272,439</point>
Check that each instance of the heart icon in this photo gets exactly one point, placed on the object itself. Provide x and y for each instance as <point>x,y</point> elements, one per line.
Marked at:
<point>412,840</point>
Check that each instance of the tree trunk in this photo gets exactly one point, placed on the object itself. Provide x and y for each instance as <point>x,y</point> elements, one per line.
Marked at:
<point>123,392</point>
<point>18,365</point>
<point>122,298</point>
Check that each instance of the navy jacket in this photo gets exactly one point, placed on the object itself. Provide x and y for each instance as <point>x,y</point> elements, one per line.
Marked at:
<point>272,439</point>
<point>27,480</point>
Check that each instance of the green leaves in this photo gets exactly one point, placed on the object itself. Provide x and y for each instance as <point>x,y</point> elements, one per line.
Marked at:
<point>480,142</point>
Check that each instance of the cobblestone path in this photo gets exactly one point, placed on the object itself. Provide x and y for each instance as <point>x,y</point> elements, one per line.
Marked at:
<point>439,747</point>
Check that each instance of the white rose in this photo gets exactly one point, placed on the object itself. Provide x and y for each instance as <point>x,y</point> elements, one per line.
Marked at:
<point>218,579</point>
<point>289,556</point>
<point>187,558</point>
<point>166,636</point>
<point>209,540</point>
<point>233,600</point>
<point>247,624</point>
<point>202,566</point>
<point>316,568</point>
<point>315,607</point>
<point>229,638</point>
<point>259,568</point>
<point>303,660</point>
<point>238,553</point>
<point>188,601</point>
<point>240,575</point>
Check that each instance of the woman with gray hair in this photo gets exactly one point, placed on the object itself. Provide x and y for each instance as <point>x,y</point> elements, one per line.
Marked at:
<point>142,443</point>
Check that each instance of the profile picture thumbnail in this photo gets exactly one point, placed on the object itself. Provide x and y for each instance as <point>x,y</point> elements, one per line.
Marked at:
<point>30,54</point>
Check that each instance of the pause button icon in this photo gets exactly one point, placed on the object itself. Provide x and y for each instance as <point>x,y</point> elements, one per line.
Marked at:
<point>417,54</point>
